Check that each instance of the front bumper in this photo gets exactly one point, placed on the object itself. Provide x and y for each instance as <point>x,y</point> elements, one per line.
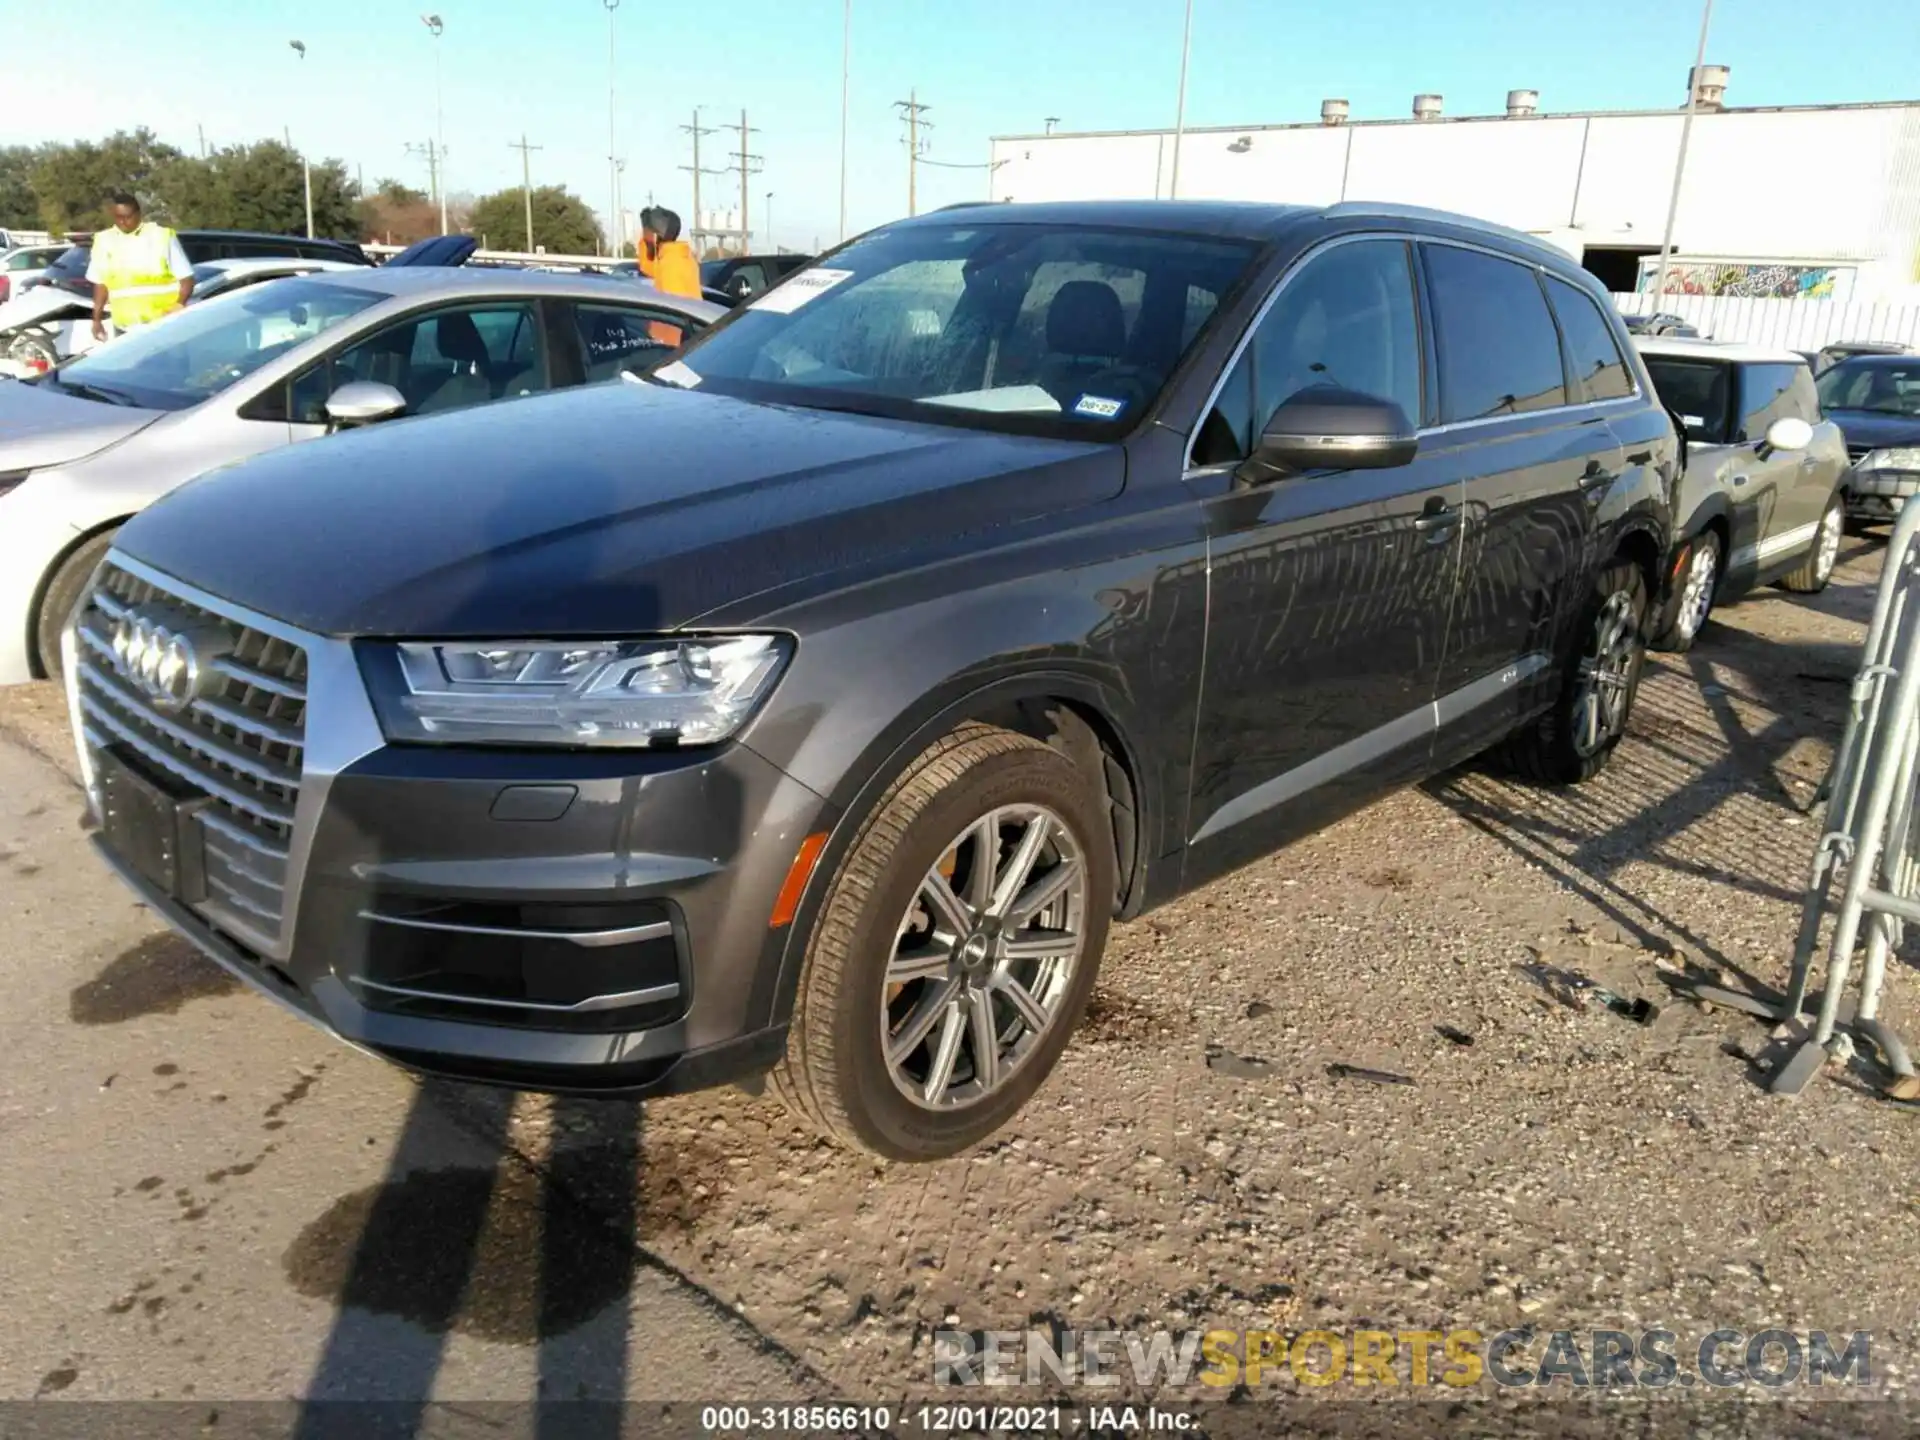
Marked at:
<point>1879,494</point>
<point>549,920</point>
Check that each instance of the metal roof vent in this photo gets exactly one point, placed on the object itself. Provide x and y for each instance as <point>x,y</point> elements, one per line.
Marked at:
<point>1333,112</point>
<point>1523,102</point>
<point>1710,91</point>
<point>1426,107</point>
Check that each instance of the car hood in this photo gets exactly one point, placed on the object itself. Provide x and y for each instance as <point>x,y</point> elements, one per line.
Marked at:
<point>40,426</point>
<point>1864,427</point>
<point>622,508</point>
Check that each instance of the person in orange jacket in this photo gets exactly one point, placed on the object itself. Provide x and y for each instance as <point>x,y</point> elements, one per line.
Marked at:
<point>664,258</point>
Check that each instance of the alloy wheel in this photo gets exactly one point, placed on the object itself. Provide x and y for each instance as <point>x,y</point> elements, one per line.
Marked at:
<point>1606,676</point>
<point>1696,597</point>
<point>1827,553</point>
<point>984,957</point>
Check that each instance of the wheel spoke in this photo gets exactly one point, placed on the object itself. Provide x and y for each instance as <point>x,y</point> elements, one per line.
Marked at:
<point>986,859</point>
<point>948,909</point>
<point>1590,720</point>
<point>1041,893</point>
<point>945,1051</point>
<point>983,1038</point>
<point>1024,1005</point>
<point>1020,865</point>
<point>1043,945</point>
<point>914,1029</point>
<point>924,962</point>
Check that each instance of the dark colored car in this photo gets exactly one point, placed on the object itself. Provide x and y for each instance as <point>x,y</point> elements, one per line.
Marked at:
<point>1831,355</point>
<point>1763,499</point>
<point>814,704</point>
<point>69,272</point>
<point>1875,400</point>
<point>740,277</point>
<point>1660,324</point>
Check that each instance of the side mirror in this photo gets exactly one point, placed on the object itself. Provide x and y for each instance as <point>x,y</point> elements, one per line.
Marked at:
<point>1789,432</point>
<point>1329,428</point>
<point>364,402</point>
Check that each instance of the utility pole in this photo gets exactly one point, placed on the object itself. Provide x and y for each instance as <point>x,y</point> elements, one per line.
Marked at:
<point>436,27</point>
<point>748,166</point>
<point>1180,105</point>
<point>1680,163</point>
<point>695,130</point>
<point>432,151</point>
<point>613,143</point>
<point>203,140</point>
<point>910,111</point>
<point>846,69</point>
<point>526,179</point>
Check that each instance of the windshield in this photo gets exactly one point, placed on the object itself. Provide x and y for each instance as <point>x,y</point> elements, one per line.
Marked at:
<point>1047,330</point>
<point>1873,386</point>
<point>201,350</point>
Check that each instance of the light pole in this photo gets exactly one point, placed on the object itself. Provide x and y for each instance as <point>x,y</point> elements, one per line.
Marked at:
<point>435,26</point>
<point>613,145</point>
<point>619,210</point>
<point>846,56</point>
<point>1180,106</point>
<point>772,249</point>
<point>306,165</point>
<point>1680,161</point>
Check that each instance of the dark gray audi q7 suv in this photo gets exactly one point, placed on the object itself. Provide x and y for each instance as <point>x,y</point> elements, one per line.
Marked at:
<point>813,703</point>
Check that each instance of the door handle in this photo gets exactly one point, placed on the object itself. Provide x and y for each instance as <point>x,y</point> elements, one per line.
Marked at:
<point>1437,517</point>
<point>1595,483</point>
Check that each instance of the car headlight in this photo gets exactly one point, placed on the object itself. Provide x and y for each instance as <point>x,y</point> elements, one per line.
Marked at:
<point>1903,457</point>
<point>612,693</point>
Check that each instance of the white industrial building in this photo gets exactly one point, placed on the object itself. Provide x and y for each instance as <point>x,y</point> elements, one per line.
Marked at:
<point>1812,201</point>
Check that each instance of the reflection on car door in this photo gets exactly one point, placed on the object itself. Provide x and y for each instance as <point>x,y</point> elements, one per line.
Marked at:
<point>1329,591</point>
<point>1534,468</point>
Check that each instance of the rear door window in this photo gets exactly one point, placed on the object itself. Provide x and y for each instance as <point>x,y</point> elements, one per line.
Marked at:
<point>1599,369</point>
<point>1499,351</point>
<point>615,338</point>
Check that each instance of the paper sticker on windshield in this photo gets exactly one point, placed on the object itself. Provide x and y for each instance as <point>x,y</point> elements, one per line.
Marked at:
<point>1099,407</point>
<point>786,298</point>
<point>676,373</point>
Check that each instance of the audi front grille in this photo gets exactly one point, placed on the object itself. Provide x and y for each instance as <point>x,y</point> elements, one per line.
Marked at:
<point>238,743</point>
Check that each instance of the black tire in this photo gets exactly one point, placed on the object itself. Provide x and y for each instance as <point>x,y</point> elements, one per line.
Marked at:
<point>61,595</point>
<point>1817,569</point>
<point>1682,621</point>
<point>835,1074</point>
<point>1554,750</point>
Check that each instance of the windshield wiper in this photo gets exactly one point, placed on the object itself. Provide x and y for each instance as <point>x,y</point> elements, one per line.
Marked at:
<point>95,392</point>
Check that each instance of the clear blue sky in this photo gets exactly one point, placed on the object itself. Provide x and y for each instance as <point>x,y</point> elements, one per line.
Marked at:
<point>985,66</point>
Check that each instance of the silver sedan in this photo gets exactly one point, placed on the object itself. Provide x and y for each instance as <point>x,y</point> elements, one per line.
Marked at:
<point>86,446</point>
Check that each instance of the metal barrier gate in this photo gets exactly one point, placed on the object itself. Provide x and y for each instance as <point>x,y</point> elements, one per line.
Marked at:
<point>1870,834</point>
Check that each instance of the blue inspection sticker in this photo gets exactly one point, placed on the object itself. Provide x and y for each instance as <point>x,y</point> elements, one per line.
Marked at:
<point>1099,407</point>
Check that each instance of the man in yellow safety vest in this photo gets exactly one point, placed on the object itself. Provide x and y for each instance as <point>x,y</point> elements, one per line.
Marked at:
<point>137,267</point>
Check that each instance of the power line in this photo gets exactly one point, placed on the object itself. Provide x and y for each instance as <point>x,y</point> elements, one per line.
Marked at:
<point>747,166</point>
<point>526,179</point>
<point>910,112</point>
<point>696,130</point>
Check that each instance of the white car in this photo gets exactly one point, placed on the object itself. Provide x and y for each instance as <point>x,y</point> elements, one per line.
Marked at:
<point>24,263</point>
<point>85,446</point>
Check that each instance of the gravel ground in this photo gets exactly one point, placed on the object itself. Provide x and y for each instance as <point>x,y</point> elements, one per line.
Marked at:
<point>1566,1168</point>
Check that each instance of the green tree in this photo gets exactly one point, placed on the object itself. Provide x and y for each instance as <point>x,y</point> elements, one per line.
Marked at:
<point>397,214</point>
<point>73,183</point>
<point>259,187</point>
<point>563,223</point>
<point>19,209</point>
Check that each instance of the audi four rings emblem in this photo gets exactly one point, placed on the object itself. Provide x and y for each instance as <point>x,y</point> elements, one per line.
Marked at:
<point>168,657</point>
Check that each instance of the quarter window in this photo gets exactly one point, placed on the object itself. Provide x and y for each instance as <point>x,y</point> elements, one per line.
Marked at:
<point>1499,351</point>
<point>1346,319</point>
<point>617,337</point>
<point>1598,367</point>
